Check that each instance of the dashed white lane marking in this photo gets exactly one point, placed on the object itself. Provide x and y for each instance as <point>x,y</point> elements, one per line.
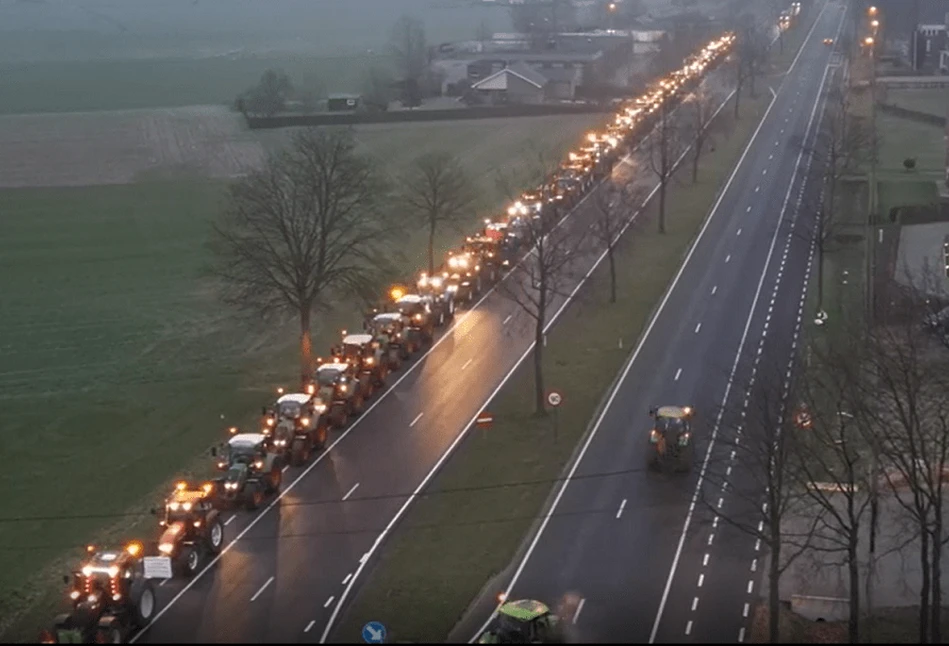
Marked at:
<point>744,612</point>
<point>782,131</point>
<point>728,258</point>
<point>284,469</point>
<point>163,582</point>
<point>705,559</point>
<point>678,374</point>
<point>509,317</point>
<point>748,209</point>
<point>688,627</point>
<point>695,603</point>
<point>757,188</point>
<point>622,506</point>
<point>467,363</point>
<point>415,421</point>
<point>764,171</point>
<point>350,492</point>
<point>776,143</point>
<point>328,602</point>
<point>262,588</point>
<point>309,626</point>
<point>698,327</point>
<point>348,577</point>
<point>751,586</point>
<point>701,580</point>
<point>714,289</point>
<point>738,233</point>
<point>771,156</point>
<point>576,614</point>
<point>228,521</point>
<point>754,565</point>
<point>741,634</point>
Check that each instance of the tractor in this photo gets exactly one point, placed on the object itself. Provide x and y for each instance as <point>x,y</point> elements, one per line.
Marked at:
<point>494,255</point>
<point>110,599</point>
<point>299,417</point>
<point>388,329</point>
<point>524,622</point>
<point>368,354</point>
<point>337,385</point>
<point>462,275</point>
<point>670,439</point>
<point>191,527</point>
<point>442,298</point>
<point>252,469</point>
<point>419,318</point>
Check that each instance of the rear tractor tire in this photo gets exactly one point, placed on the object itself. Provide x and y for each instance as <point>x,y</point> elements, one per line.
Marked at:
<point>300,452</point>
<point>190,560</point>
<point>215,536</point>
<point>253,497</point>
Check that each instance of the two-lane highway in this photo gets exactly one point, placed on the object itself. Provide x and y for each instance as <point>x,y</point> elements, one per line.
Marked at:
<point>636,571</point>
<point>286,571</point>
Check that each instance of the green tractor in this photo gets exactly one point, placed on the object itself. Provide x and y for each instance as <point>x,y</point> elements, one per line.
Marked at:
<point>670,439</point>
<point>252,470</point>
<point>369,355</point>
<point>337,384</point>
<point>110,599</point>
<point>389,330</point>
<point>299,423</point>
<point>440,298</point>
<point>524,622</point>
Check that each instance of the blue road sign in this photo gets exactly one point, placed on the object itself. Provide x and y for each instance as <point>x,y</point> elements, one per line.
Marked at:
<point>374,633</point>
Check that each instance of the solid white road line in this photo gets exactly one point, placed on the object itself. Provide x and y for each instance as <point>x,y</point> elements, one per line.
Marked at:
<point>262,588</point>
<point>708,453</point>
<point>350,492</point>
<point>415,421</point>
<point>458,439</point>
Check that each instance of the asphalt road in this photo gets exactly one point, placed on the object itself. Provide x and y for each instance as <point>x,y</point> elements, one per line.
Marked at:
<point>285,570</point>
<point>626,557</point>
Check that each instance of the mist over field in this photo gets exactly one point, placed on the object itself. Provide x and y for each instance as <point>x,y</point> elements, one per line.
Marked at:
<point>83,30</point>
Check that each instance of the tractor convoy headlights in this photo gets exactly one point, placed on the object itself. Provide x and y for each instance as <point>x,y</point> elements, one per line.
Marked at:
<point>230,486</point>
<point>166,548</point>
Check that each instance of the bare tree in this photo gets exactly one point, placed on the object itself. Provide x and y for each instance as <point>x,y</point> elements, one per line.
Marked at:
<point>483,33</point>
<point>409,49</point>
<point>750,55</point>
<point>614,205</point>
<point>777,7</point>
<point>377,88</point>
<point>764,501</point>
<point>268,97</point>
<point>438,191</point>
<point>533,284</point>
<point>304,229</point>
<point>702,108</point>
<point>906,408</point>
<point>666,143</point>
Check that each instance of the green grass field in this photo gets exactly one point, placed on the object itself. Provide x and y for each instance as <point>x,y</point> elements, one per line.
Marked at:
<point>474,534</point>
<point>930,100</point>
<point>119,359</point>
<point>901,138</point>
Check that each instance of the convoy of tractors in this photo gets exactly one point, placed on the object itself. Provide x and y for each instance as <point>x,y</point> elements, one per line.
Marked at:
<point>111,594</point>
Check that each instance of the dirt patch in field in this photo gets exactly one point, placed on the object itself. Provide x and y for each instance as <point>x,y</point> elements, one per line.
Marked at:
<point>121,147</point>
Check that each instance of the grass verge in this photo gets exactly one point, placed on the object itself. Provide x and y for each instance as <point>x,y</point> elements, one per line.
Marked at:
<point>890,626</point>
<point>451,543</point>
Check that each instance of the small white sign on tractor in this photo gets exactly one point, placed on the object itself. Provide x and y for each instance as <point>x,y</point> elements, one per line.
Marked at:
<point>157,567</point>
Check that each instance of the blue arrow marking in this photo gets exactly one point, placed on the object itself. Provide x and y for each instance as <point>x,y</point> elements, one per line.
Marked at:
<point>374,633</point>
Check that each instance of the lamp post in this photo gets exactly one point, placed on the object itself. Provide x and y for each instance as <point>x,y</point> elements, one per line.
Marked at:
<point>871,44</point>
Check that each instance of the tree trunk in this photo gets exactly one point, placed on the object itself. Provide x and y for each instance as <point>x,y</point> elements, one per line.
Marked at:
<point>539,407</point>
<point>853,567</point>
<point>737,97</point>
<point>936,604</point>
<point>662,204</point>
<point>774,601</point>
<point>612,259</point>
<point>431,248</point>
<point>306,347</point>
<point>924,600</point>
<point>871,562</point>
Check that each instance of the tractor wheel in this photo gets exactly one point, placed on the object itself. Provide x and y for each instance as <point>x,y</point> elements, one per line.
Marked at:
<point>111,635</point>
<point>253,497</point>
<point>441,318</point>
<point>396,361</point>
<point>190,560</point>
<point>359,404</point>
<point>320,438</point>
<point>300,452</point>
<point>404,352</point>
<point>470,296</point>
<point>215,536</point>
<point>340,417</point>
<point>274,480</point>
<point>451,307</point>
<point>143,603</point>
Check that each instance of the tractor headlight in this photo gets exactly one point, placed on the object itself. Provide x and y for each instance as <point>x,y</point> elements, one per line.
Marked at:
<point>166,548</point>
<point>173,506</point>
<point>87,570</point>
<point>186,506</point>
<point>321,408</point>
<point>653,436</point>
<point>304,421</point>
<point>74,595</point>
<point>230,485</point>
<point>280,442</point>
<point>259,464</point>
<point>683,439</point>
<point>342,388</point>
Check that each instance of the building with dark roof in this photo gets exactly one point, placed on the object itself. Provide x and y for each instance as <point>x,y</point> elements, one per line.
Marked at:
<point>516,83</point>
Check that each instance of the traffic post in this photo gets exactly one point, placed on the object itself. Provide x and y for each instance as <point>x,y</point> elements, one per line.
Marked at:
<point>554,398</point>
<point>484,421</point>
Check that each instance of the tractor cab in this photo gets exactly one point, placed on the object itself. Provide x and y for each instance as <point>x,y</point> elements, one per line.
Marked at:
<point>463,275</point>
<point>670,438</point>
<point>109,598</point>
<point>523,622</point>
<point>386,330</point>
<point>251,466</point>
<point>441,298</point>
<point>492,252</point>
<point>418,313</point>
<point>338,385</point>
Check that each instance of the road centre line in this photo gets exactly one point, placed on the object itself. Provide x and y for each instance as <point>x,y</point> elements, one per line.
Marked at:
<point>348,577</point>
<point>328,602</point>
<point>349,493</point>
<point>678,374</point>
<point>458,439</point>
<point>467,363</point>
<point>632,360</point>
<point>728,258</point>
<point>417,418</point>
<point>622,506</point>
<point>510,316</point>
<point>734,370</point>
<point>738,233</point>
<point>261,590</point>
<point>309,626</point>
<point>698,327</point>
<point>228,521</point>
<point>714,289</point>
<point>576,614</point>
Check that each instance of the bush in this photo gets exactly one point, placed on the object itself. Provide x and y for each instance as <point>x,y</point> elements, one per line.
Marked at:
<point>909,163</point>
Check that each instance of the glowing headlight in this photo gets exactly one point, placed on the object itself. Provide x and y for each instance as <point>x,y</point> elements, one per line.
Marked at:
<point>437,282</point>
<point>87,570</point>
<point>342,387</point>
<point>653,436</point>
<point>683,439</point>
<point>320,408</point>
<point>259,464</point>
<point>74,595</point>
<point>280,443</point>
<point>230,485</point>
<point>687,410</point>
<point>92,598</point>
<point>418,317</point>
<point>453,288</point>
<point>173,506</point>
<point>305,421</point>
<point>166,548</point>
<point>370,361</point>
<point>186,506</point>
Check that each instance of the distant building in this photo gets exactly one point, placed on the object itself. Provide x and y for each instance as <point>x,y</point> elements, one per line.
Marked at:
<point>515,84</point>
<point>343,102</point>
<point>566,68</point>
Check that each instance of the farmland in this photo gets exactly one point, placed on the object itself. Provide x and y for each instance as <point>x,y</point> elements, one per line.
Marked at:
<point>118,360</point>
